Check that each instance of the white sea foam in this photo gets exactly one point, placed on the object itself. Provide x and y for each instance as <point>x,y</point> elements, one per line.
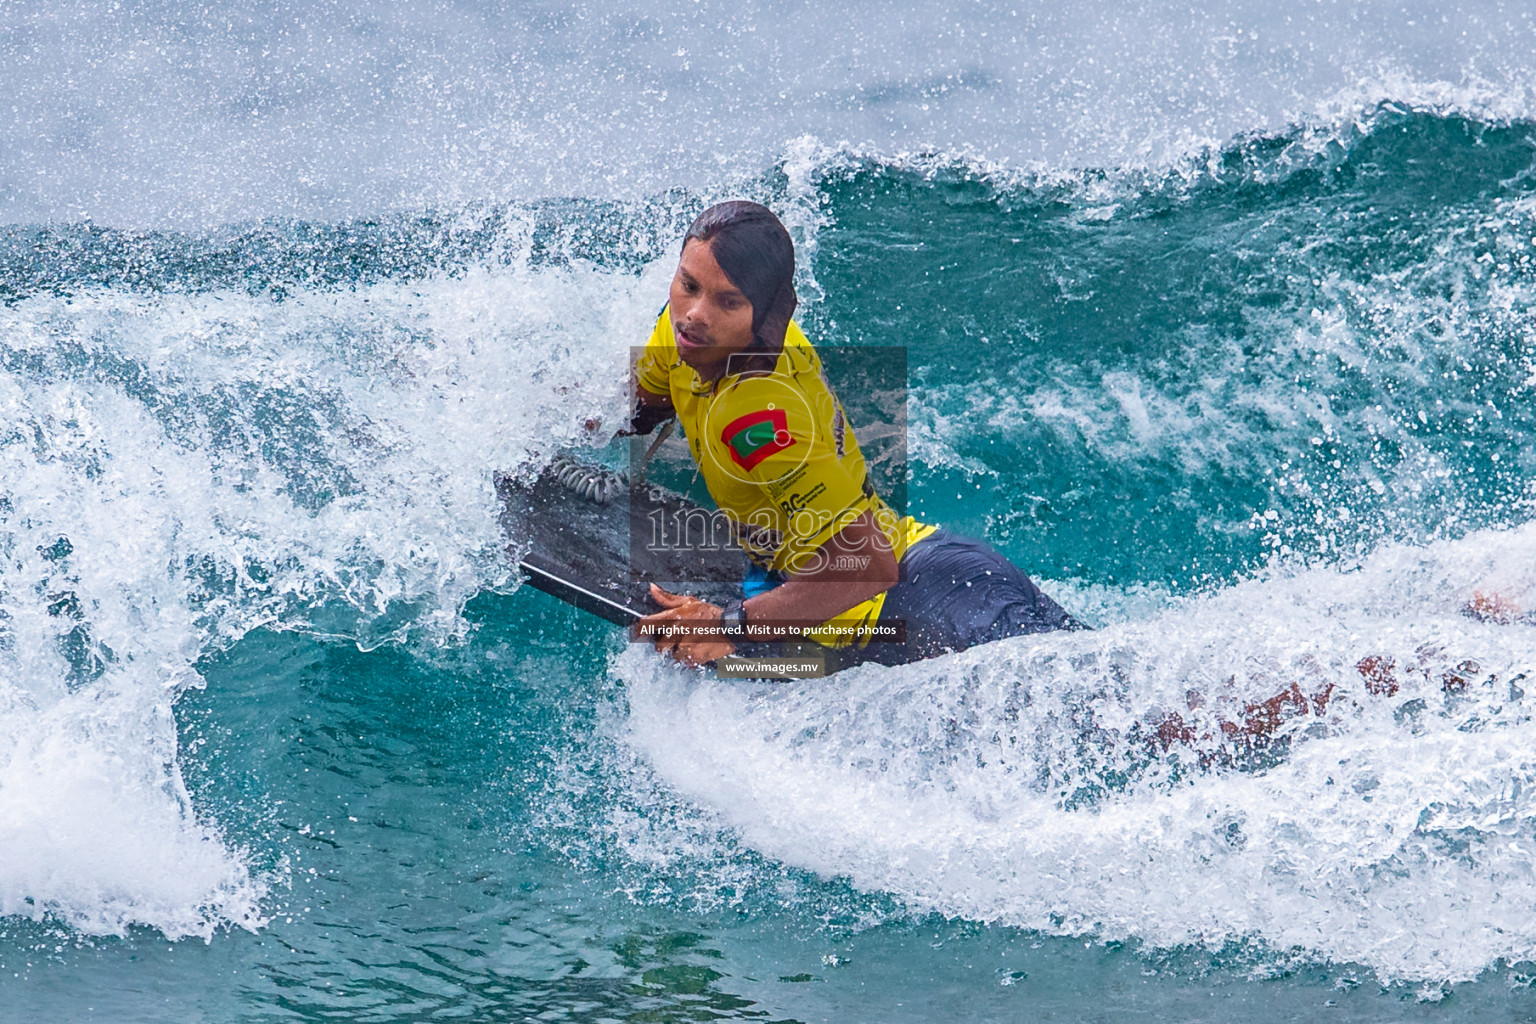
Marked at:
<point>1019,782</point>
<point>96,830</point>
<point>178,470</point>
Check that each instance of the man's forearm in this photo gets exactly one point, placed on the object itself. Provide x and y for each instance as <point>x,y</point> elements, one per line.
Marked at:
<point>818,596</point>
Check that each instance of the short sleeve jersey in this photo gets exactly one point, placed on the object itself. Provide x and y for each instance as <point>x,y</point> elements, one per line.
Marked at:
<point>777,455</point>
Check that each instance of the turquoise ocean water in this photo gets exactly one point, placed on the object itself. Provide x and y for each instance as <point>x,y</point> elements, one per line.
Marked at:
<point>1231,343</point>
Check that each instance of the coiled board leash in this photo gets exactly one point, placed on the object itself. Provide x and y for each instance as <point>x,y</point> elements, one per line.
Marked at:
<point>599,484</point>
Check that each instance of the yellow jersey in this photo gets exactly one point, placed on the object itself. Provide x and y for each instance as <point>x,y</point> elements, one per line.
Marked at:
<point>779,459</point>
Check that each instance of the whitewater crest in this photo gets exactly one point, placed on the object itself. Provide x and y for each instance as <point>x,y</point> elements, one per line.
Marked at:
<point>180,469</point>
<point>1142,781</point>
<point>294,427</point>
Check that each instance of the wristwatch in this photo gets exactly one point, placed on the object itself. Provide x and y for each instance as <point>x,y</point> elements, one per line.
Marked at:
<point>733,617</point>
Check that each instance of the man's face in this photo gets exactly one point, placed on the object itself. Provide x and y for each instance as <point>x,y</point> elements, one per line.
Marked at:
<point>710,316</point>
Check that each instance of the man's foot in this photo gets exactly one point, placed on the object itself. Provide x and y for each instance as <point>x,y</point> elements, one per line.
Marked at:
<point>1497,606</point>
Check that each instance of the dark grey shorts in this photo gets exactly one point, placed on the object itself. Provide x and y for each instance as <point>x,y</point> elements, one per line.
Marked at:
<point>956,593</point>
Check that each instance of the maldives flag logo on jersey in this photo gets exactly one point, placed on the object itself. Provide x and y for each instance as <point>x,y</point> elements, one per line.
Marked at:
<point>757,435</point>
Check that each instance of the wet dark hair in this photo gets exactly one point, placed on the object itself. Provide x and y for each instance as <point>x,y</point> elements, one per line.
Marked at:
<point>756,253</point>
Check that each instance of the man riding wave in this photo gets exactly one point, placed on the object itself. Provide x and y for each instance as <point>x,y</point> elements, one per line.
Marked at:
<point>779,458</point>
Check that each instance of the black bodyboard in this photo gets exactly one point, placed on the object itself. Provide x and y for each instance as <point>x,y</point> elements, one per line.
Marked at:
<point>602,557</point>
